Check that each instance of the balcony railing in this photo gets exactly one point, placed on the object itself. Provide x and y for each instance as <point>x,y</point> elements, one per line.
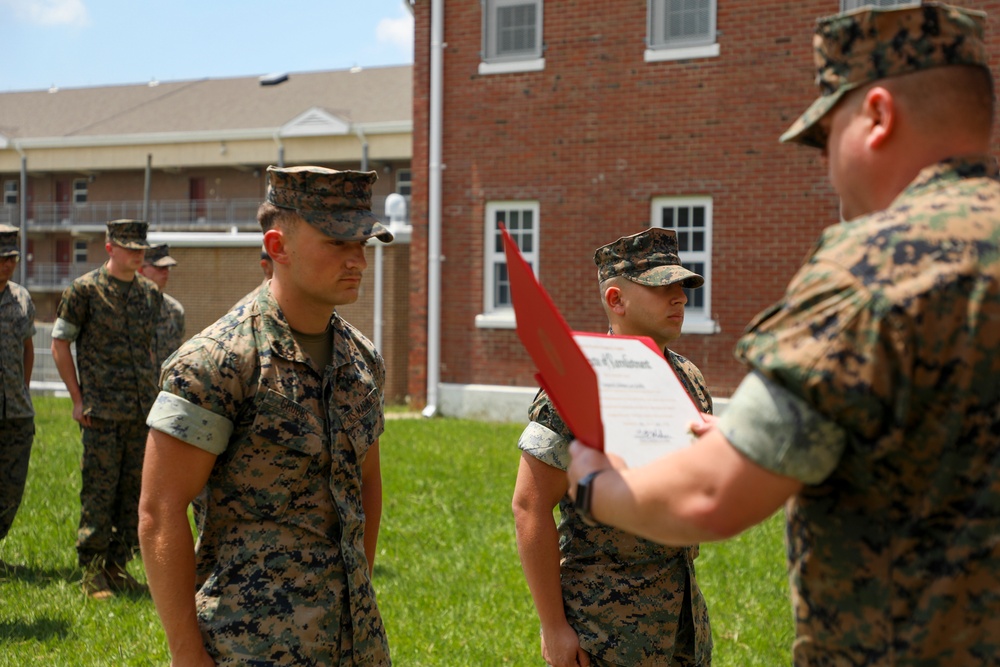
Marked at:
<point>164,214</point>
<point>49,275</point>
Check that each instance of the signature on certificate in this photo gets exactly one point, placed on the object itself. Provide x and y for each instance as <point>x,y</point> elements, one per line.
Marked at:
<point>651,434</point>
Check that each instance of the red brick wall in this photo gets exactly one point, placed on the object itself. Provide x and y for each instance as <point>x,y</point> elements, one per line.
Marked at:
<point>594,137</point>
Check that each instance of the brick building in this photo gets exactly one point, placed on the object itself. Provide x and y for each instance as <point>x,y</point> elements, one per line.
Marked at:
<point>580,121</point>
<point>191,157</point>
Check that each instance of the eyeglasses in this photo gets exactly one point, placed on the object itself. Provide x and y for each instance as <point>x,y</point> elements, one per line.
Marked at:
<point>9,258</point>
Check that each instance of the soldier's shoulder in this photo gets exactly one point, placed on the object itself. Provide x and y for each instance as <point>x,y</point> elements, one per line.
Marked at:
<point>173,304</point>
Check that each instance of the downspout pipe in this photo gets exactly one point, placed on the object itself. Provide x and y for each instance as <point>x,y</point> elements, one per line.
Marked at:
<point>22,269</point>
<point>377,296</point>
<point>434,168</point>
<point>146,185</point>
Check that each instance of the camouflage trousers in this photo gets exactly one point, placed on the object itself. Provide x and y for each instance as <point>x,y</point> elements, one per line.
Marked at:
<point>16,436</point>
<point>109,497</point>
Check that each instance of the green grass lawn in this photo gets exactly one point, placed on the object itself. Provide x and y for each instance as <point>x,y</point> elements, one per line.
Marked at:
<point>447,574</point>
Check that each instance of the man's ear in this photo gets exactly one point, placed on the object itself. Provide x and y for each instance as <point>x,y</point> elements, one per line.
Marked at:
<point>879,108</point>
<point>274,243</point>
<point>614,300</point>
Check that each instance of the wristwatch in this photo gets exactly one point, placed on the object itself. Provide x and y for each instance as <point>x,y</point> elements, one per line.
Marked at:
<point>584,494</point>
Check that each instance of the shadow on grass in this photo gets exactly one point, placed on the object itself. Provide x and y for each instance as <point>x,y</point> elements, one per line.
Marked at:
<point>42,630</point>
<point>39,575</point>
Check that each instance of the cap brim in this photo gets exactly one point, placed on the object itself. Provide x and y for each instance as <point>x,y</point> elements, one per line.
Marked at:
<point>10,253</point>
<point>668,275</point>
<point>164,262</point>
<point>349,225</point>
<point>132,245</point>
<point>804,130</point>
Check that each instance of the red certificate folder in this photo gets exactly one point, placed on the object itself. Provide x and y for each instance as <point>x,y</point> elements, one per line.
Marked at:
<point>564,372</point>
<point>648,409</point>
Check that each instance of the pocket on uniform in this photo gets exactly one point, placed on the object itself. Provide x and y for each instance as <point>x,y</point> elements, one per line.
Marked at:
<point>364,422</point>
<point>269,467</point>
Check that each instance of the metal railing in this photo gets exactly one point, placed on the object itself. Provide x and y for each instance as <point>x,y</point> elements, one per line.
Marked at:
<point>164,214</point>
<point>56,274</point>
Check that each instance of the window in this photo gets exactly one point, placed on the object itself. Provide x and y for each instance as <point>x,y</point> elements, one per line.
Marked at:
<point>10,193</point>
<point>691,218</point>
<point>79,252</point>
<point>79,190</point>
<point>404,184</point>
<point>846,5</point>
<point>681,29</point>
<point>521,220</point>
<point>512,36</point>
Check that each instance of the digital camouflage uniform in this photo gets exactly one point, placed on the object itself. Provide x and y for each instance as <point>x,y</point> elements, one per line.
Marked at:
<point>631,601</point>
<point>890,332</point>
<point>17,423</point>
<point>627,598</point>
<point>281,560</point>
<point>283,578</point>
<point>169,329</point>
<point>113,325</point>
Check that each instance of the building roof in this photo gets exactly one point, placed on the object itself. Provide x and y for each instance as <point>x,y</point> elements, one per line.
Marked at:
<point>365,98</point>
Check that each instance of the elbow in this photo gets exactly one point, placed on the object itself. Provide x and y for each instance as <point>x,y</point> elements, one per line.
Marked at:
<point>713,519</point>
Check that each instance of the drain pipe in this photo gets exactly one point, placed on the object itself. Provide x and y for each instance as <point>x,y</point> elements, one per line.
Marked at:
<point>146,185</point>
<point>434,168</point>
<point>377,297</point>
<point>22,269</point>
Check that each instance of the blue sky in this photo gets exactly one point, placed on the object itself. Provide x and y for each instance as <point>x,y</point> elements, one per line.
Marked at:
<point>75,43</point>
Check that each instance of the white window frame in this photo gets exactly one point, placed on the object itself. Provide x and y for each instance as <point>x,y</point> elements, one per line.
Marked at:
<point>80,186</point>
<point>501,316</point>
<point>697,320</point>
<point>660,49</point>
<point>848,5</point>
<point>11,190</point>
<point>530,60</point>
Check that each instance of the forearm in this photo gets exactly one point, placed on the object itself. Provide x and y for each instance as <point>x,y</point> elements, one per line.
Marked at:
<point>168,557</point>
<point>63,358</point>
<point>371,500</point>
<point>538,547</point>
<point>29,360</point>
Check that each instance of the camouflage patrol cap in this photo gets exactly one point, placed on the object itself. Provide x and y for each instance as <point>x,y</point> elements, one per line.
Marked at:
<point>647,258</point>
<point>867,44</point>
<point>8,241</point>
<point>129,234</point>
<point>159,255</point>
<point>338,203</point>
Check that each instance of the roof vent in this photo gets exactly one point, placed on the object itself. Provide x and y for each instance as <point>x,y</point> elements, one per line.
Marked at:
<point>273,79</point>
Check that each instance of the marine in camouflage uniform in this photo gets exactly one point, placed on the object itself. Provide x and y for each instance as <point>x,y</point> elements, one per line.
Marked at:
<point>890,332</point>
<point>283,440</point>
<point>630,601</point>
<point>113,323</point>
<point>873,401</point>
<point>17,423</point>
<point>170,327</point>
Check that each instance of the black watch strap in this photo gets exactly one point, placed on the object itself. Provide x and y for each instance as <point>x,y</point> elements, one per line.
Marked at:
<point>584,496</point>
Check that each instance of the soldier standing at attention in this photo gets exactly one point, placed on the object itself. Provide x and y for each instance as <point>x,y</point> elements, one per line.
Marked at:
<point>579,573</point>
<point>873,403</point>
<point>111,314</point>
<point>170,330</point>
<point>275,411</point>
<point>17,356</point>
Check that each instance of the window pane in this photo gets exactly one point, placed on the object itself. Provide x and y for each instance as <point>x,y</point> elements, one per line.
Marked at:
<point>699,216</point>
<point>696,297</point>
<point>668,218</point>
<point>501,294</point>
<point>698,241</point>
<point>686,19</point>
<point>682,217</point>
<point>516,29</point>
<point>682,242</point>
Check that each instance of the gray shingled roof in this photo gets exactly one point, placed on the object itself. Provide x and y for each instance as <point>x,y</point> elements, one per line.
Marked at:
<point>376,95</point>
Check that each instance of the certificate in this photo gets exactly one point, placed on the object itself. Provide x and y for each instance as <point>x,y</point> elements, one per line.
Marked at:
<point>645,410</point>
<point>616,393</point>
